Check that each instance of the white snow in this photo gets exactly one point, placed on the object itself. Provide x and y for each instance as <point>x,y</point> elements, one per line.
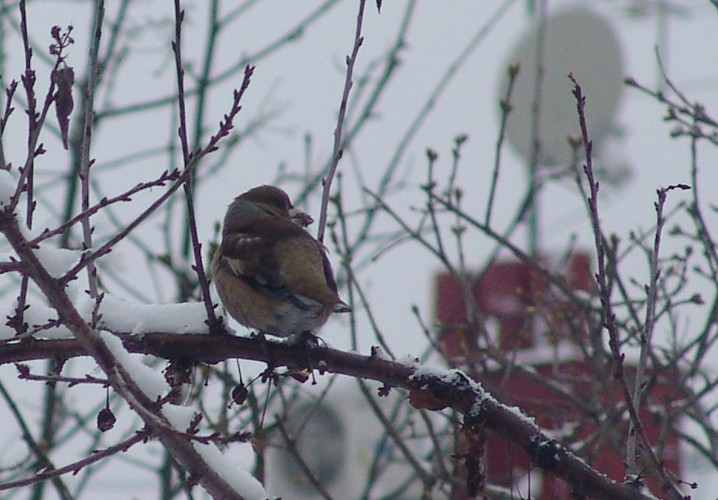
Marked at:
<point>239,479</point>
<point>57,261</point>
<point>36,316</point>
<point>149,380</point>
<point>122,316</point>
<point>179,416</point>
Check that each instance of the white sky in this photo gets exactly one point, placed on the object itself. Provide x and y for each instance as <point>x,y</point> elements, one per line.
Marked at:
<point>304,81</point>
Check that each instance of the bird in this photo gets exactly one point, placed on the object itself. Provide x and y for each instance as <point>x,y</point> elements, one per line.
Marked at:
<point>270,273</point>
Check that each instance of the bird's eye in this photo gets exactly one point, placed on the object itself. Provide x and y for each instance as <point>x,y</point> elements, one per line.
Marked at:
<point>282,203</point>
<point>277,206</point>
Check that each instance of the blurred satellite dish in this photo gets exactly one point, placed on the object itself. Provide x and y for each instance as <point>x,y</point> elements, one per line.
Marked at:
<point>578,41</point>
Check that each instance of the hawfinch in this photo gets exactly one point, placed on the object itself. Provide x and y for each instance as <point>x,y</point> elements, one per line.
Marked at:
<point>270,273</point>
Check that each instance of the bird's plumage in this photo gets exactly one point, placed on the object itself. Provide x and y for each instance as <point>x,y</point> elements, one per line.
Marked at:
<point>270,273</point>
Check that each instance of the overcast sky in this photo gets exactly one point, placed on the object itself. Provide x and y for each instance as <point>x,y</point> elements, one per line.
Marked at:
<point>303,84</point>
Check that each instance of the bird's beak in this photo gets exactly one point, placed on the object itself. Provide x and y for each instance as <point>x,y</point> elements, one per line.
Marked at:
<point>300,218</point>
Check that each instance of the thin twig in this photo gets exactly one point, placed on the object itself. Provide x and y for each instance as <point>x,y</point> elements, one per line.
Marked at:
<point>40,451</point>
<point>8,109</point>
<point>506,109</point>
<point>36,121</point>
<point>536,153</point>
<point>190,232</point>
<point>431,101</point>
<point>293,34</point>
<point>191,221</point>
<point>106,202</point>
<point>605,293</point>
<point>458,391</point>
<point>291,448</point>
<point>337,152</point>
<point>85,148</point>
<point>76,467</point>
<point>191,159</point>
<point>648,326</point>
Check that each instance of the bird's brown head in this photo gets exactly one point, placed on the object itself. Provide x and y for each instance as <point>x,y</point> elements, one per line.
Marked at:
<point>276,202</point>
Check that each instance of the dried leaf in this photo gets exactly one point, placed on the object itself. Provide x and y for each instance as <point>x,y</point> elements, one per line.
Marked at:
<point>64,78</point>
<point>424,400</point>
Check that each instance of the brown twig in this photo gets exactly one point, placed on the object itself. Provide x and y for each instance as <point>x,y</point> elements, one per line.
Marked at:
<point>506,108</point>
<point>9,93</point>
<point>212,320</point>
<point>337,152</point>
<point>39,450</point>
<point>86,146</point>
<point>452,70</point>
<point>191,159</point>
<point>225,127</point>
<point>106,202</point>
<point>122,381</point>
<point>453,387</point>
<point>36,120</point>
<point>25,374</point>
<point>605,294</point>
<point>76,467</point>
<point>648,325</point>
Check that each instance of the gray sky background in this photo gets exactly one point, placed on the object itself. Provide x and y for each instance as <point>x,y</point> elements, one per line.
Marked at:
<point>303,83</point>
